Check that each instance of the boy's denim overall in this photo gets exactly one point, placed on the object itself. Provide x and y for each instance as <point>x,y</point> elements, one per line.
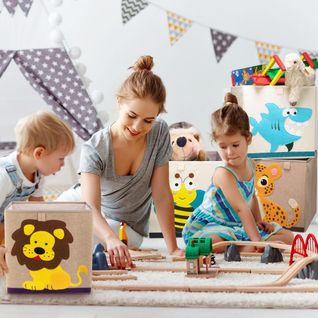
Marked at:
<point>20,193</point>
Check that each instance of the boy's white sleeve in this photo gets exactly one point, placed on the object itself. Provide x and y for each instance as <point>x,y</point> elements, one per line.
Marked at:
<point>6,186</point>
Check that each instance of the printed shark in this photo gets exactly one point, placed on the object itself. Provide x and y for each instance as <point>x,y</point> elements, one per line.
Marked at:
<point>272,125</point>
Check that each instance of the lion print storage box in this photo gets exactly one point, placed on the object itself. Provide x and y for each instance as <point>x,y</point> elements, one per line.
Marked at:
<point>49,247</point>
<point>287,191</point>
<point>279,130</point>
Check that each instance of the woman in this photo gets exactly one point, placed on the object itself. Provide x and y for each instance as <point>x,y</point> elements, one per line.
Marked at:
<point>125,166</point>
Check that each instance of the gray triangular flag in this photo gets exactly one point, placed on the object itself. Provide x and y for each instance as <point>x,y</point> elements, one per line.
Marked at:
<point>221,42</point>
<point>130,8</point>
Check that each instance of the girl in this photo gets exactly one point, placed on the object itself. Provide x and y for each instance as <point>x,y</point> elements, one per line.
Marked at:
<point>230,210</point>
<point>125,166</point>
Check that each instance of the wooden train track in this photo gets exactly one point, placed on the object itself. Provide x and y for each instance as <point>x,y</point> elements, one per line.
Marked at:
<point>280,246</point>
<point>279,285</point>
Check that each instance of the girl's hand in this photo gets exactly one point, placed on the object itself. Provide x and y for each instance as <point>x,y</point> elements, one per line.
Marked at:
<point>118,253</point>
<point>265,226</point>
<point>3,264</point>
<point>177,252</point>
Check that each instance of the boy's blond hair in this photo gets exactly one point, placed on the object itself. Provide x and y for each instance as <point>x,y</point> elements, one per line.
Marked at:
<point>43,129</point>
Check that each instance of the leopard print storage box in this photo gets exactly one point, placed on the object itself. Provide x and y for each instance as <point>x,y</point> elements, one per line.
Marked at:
<point>287,191</point>
<point>49,247</point>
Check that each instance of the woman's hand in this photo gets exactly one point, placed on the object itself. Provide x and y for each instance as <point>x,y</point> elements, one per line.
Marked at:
<point>265,226</point>
<point>118,253</point>
<point>3,264</point>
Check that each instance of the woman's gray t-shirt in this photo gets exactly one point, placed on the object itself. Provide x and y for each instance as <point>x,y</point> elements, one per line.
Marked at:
<point>126,198</point>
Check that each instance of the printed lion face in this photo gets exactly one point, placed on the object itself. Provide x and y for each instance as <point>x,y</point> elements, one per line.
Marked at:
<point>41,244</point>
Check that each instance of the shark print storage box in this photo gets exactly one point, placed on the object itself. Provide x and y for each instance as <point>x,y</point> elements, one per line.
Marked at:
<point>49,247</point>
<point>279,130</point>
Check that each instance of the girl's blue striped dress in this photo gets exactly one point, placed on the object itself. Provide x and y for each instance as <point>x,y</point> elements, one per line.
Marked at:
<point>215,216</point>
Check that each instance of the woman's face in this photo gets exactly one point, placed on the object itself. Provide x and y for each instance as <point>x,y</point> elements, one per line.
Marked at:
<point>136,117</point>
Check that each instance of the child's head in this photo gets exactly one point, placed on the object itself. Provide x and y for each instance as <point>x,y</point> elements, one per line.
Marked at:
<point>143,84</point>
<point>231,131</point>
<point>230,119</point>
<point>43,129</point>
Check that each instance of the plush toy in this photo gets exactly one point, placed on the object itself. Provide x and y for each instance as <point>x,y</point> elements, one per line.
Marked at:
<point>186,142</point>
<point>297,75</point>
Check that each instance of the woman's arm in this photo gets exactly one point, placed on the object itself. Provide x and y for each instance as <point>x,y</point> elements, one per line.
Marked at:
<point>91,193</point>
<point>163,201</point>
<point>227,182</point>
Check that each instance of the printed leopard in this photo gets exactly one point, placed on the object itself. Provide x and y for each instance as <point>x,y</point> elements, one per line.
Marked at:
<point>273,212</point>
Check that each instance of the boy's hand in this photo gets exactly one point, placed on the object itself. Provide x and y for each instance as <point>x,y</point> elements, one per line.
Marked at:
<point>3,264</point>
<point>265,226</point>
<point>118,253</point>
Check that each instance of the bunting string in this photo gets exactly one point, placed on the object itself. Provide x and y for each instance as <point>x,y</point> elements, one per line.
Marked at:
<point>179,25</point>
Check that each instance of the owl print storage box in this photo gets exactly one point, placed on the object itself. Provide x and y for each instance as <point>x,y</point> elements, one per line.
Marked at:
<point>49,247</point>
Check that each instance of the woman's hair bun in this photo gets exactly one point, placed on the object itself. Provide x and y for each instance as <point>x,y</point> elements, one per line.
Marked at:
<point>143,63</point>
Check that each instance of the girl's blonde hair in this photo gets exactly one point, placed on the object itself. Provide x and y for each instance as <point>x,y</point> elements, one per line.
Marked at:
<point>230,119</point>
<point>43,129</point>
<point>143,83</point>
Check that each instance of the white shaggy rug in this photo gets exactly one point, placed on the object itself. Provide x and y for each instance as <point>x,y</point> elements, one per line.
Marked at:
<point>184,299</point>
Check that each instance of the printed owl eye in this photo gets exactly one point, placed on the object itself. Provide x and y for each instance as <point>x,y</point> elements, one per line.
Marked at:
<point>262,182</point>
<point>175,184</point>
<point>189,184</point>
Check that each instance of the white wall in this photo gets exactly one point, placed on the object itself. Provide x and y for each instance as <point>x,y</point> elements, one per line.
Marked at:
<point>195,81</point>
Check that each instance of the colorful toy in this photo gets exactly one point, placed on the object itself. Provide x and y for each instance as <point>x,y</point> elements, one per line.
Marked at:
<point>244,76</point>
<point>99,258</point>
<point>122,233</point>
<point>303,248</point>
<point>264,79</point>
<point>196,249</point>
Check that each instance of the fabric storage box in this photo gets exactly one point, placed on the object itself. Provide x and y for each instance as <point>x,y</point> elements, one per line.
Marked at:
<point>287,191</point>
<point>188,182</point>
<point>278,129</point>
<point>49,247</point>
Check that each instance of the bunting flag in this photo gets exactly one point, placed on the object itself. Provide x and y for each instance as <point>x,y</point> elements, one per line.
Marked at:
<point>178,26</point>
<point>266,50</point>
<point>130,8</point>
<point>11,5</point>
<point>221,43</point>
<point>25,5</point>
<point>5,59</point>
<point>51,73</point>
